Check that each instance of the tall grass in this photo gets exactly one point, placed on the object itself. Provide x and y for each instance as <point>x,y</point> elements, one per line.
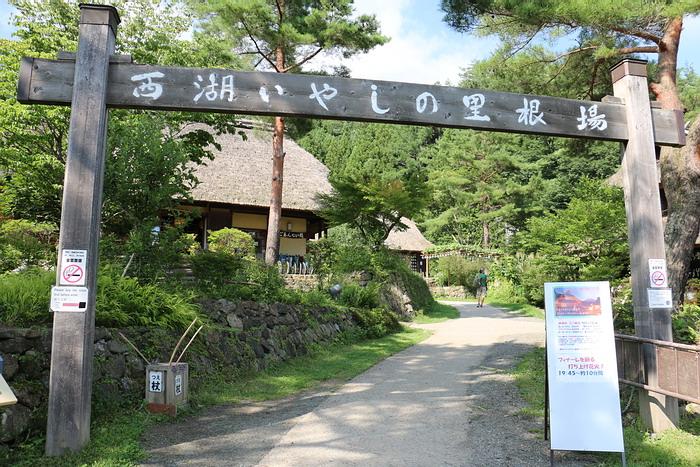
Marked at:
<point>121,301</point>
<point>25,296</point>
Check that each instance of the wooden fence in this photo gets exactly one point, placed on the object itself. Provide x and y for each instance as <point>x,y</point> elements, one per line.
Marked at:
<point>678,366</point>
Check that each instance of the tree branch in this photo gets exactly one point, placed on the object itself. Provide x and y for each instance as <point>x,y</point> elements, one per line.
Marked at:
<point>257,47</point>
<point>298,64</point>
<point>638,33</point>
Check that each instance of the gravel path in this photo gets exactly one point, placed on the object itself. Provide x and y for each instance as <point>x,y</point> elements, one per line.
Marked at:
<point>447,401</point>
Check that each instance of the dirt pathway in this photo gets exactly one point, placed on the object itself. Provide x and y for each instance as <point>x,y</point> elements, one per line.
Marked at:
<point>447,401</point>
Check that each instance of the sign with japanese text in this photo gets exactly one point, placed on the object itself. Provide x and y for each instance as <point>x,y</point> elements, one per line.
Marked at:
<point>44,81</point>
<point>178,384</point>
<point>657,273</point>
<point>660,298</point>
<point>155,381</point>
<point>285,234</point>
<point>582,368</point>
<point>73,265</point>
<point>69,298</point>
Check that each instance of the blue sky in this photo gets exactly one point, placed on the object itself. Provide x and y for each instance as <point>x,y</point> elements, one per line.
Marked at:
<point>423,49</point>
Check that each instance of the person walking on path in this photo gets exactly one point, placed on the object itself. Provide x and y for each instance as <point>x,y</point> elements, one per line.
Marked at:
<point>482,288</point>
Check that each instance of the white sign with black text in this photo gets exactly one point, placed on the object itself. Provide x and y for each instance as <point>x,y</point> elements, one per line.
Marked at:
<point>69,298</point>
<point>155,381</point>
<point>584,400</point>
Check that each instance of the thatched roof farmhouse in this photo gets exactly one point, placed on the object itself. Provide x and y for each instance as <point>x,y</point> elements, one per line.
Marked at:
<point>234,191</point>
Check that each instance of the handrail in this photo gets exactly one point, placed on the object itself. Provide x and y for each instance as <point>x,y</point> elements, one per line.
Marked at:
<point>658,342</point>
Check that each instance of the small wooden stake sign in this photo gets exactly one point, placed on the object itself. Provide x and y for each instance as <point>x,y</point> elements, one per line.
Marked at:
<point>90,84</point>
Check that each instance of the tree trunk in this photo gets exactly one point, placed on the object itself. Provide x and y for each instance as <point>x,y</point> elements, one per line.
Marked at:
<point>680,176</point>
<point>486,234</point>
<point>272,246</point>
<point>680,171</point>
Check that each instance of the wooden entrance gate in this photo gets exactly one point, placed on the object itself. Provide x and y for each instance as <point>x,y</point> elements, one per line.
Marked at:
<point>93,80</point>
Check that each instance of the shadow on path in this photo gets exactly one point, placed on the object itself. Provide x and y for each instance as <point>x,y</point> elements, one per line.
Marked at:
<point>446,401</point>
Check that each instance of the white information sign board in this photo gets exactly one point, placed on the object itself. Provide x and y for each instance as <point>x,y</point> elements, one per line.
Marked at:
<point>660,298</point>
<point>584,401</point>
<point>73,264</point>
<point>69,298</point>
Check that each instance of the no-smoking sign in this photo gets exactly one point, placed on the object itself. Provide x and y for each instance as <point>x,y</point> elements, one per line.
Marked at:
<point>73,264</point>
<point>658,279</point>
<point>657,273</point>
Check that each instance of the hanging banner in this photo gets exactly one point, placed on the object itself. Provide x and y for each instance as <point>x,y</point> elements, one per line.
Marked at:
<point>584,397</point>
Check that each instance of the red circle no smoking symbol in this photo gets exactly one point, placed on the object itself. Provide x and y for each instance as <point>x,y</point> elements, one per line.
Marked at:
<point>73,273</point>
<point>658,278</point>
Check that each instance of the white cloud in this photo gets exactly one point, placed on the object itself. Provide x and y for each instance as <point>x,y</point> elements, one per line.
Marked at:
<point>422,48</point>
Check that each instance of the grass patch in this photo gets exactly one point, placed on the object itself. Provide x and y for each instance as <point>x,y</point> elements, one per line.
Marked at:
<point>113,442</point>
<point>522,308</point>
<point>115,435</point>
<point>529,377</point>
<point>438,313</point>
<point>673,448</point>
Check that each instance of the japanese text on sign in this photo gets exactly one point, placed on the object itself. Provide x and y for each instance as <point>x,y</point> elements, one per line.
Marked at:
<point>155,381</point>
<point>222,87</point>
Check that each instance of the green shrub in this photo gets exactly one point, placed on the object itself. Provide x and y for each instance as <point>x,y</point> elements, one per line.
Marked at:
<point>355,296</point>
<point>214,270</point>
<point>149,255</point>
<point>322,256</point>
<point>623,309</point>
<point>125,302</point>
<point>376,322</point>
<point>24,243</point>
<point>270,283</point>
<point>232,242</point>
<point>459,270</point>
<point>220,275</point>
<point>506,292</point>
<point>25,297</point>
<point>314,297</point>
<point>686,324</point>
<point>120,301</point>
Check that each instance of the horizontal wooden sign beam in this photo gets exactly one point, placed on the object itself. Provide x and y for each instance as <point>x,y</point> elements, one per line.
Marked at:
<point>44,81</point>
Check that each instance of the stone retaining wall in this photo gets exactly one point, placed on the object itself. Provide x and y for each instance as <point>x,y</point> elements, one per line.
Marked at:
<point>245,336</point>
<point>453,291</point>
<point>303,282</point>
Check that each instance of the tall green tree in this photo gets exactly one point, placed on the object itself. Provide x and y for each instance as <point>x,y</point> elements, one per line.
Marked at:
<point>372,205</point>
<point>481,184</point>
<point>359,148</point>
<point>284,35</point>
<point>614,29</point>
<point>150,155</point>
<point>585,241</point>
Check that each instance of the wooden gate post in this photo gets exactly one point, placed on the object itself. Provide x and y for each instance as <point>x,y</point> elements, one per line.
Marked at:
<point>70,383</point>
<point>644,231</point>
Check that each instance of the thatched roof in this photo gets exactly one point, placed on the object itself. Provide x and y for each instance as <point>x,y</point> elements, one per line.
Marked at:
<point>241,173</point>
<point>408,240</point>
